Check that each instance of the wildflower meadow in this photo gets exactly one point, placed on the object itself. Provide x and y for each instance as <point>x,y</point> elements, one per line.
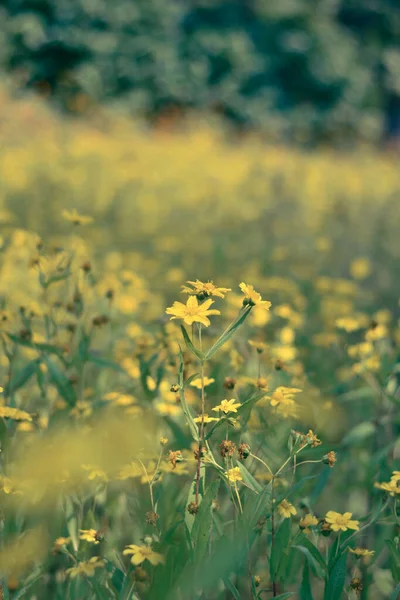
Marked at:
<point>199,364</point>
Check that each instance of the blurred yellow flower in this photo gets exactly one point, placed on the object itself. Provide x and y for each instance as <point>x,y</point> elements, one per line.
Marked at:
<point>307,522</point>
<point>286,509</point>
<point>360,268</point>
<point>234,475</point>
<point>74,217</point>
<point>207,419</point>
<point>204,290</point>
<point>86,568</point>
<point>197,382</point>
<point>6,412</point>
<point>89,535</point>
<point>142,553</point>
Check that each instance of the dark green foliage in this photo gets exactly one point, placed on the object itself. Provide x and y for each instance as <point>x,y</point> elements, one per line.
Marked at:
<point>301,69</point>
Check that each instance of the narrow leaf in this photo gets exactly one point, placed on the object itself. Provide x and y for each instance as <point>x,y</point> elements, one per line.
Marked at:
<point>228,333</point>
<point>190,345</point>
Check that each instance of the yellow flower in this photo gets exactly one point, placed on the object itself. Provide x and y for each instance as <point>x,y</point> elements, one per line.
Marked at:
<point>259,346</point>
<point>227,406</point>
<point>192,312</point>
<point>89,535</point>
<point>307,522</point>
<point>360,268</point>
<point>234,475</point>
<point>204,289</point>
<point>349,324</point>
<point>286,509</point>
<point>60,542</point>
<point>95,472</point>
<point>86,568</point>
<point>254,298</point>
<point>206,381</point>
<point>391,486</point>
<point>311,439</point>
<point>142,553</point>
<point>74,217</point>
<point>207,419</point>
<point>341,522</point>
<point>283,401</point>
<point>283,394</point>
<point>6,412</point>
<point>132,470</point>
<point>120,399</point>
<point>362,552</point>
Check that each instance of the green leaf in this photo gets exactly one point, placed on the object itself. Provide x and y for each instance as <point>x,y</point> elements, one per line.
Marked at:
<point>297,486</point>
<point>228,333</point>
<point>304,542</point>
<point>232,588</point>
<point>104,363</point>
<point>284,596</point>
<point>190,345</point>
<point>72,523</point>
<point>305,588</point>
<point>190,519</point>
<point>255,510</point>
<point>118,579</point>
<point>61,381</point>
<point>335,584</point>
<point>311,561</point>
<point>192,378</point>
<point>45,348</point>
<point>203,520</point>
<point>359,433</point>
<point>249,479</point>
<point>282,538</point>
<point>394,560</point>
<point>396,593</point>
<point>188,415</point>
<point>20,378</point>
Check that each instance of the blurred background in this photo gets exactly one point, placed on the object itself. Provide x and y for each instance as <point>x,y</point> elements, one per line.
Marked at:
<point>304,71</point>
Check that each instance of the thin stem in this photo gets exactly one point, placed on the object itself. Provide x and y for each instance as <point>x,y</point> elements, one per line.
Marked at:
<point>263,463</point>
<point>201,440</point>
<point>274,588</point>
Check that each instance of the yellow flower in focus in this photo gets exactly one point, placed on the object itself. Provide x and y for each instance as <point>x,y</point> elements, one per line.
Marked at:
<point>74,217</point>
<point>86,568</point>
<point>192,311</point>
<point>205,290</point>
<point>234,475</point>
<point>227,406</point>
<point>286,509</point>
<point>206,381</point>
<point>142,553</point>
<point>307,522</point>
<point>341,522</point>
<point>252,297</point>
<point>89,535</point>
